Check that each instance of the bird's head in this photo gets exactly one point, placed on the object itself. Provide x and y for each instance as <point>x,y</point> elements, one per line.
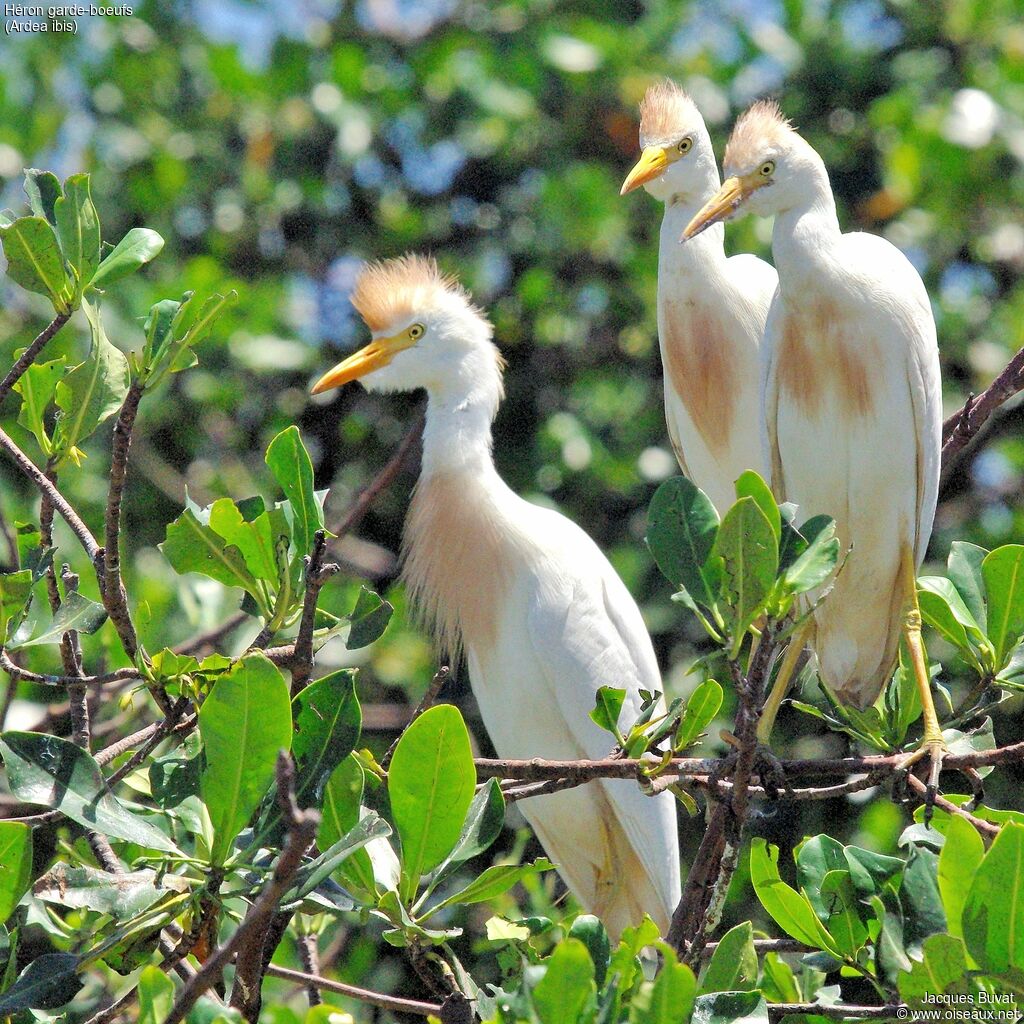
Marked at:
<point>426,333</point>
<point>677,157</point>
<point>766,169</point>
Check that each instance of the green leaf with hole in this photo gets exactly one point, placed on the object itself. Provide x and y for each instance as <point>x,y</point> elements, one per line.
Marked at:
<point>244,722</point>
<point>15,865</point>
<point>92,391</point>
<point>704,703</point>
<point>48,983</point>
<point>75,613</point>
<point>1003,572</point>
<point>34,259</point>
<point>54,772</point>
<point>681,528</point>
<point>993,913</point>
<point>790,910</point>
<point>134,251</point>
<point>567,986</point>
<point>430,783</point>
<point>78,228</point>
<point>733,965</point>
<point>290,463</point>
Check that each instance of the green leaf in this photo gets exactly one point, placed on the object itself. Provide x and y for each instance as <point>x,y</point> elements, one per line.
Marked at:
<point>78,228</point>
<point>430,784</point>
<point>815,858</point>
<point>733,966</point>
<point>669,999</point>
<point>749,552</point>
<point>779,984</point>
<point>1003,572</point>
<point>43,191</point>
<point>37,387</point>
<point>790,910</point>
<point>328,722</point>
<point>156,996</point>
<point>705,702</point>
<point>959,859</point>
<point>494,881</point>
<point>369,827</point>
<point>15,594</point>
<point>34,260</point>
<point>290,463</point>
<point>49,982</point>
<point>943,971</point>
<point>993,913</point>
<point>76,612</point>
<point>567,985</point>
<point>943,608</point>
<point>484,820</point>
<point>681,528</point>
<point>254,539</point>
<point>607,708</point>
<point>843,919</point>
<point>192,546</point>
<point>869,871</point>
<point>92,391</point>
<point>817,561</point>
<point>339,814</point>
<point>244,722</point>
<point>730,1008</point>
<point>625,962</point>
<point>86,888</point>
<point>368,619</point>
<point>15,865</point>
<point>750,485</point>
<point>55,773</point>
<point>592,933</point>
<point>135,250</point>
<point>964,568</point>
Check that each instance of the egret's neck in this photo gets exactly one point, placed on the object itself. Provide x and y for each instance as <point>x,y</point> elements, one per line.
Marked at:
<point>687,265</point>
<point>805,236</point>
<point>457,435</point>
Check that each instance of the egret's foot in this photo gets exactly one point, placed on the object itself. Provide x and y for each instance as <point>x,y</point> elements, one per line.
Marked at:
<point>935,751</point>
<point>772,774</point>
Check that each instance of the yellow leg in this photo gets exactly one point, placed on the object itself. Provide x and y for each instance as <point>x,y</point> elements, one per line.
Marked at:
<point>783,681</point>
<point>932,744</point>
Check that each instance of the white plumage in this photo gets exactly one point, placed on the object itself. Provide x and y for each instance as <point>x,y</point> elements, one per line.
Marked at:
<point>542,617</point>
<point>711,310</point>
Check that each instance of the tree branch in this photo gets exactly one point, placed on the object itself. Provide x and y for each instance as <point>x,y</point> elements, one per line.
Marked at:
<point>441,676</point>
<point>29,356</point>
<point>317,574</point>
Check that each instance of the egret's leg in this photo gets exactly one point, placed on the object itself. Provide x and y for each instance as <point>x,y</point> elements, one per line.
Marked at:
<point>782,681</point>
<point>932,744</point>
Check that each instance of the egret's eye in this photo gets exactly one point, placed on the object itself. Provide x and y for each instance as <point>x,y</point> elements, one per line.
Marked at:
<point>685,145</point>
<point>417,331</point>
<point>767,168</point>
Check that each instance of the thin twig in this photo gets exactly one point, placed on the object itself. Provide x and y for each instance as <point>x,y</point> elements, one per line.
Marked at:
<point>309,953</point>
<point>965,424</point>
<point>247,940</point>
<point>316,575</point>
<point>441,676</point>
<point>68,514</point>
<point>839,1011</point>
<point>115,599</point>
<point>986,828</point>
<point>385,1002</point>
<point>359,508</point>
<point>40,679</point>
<point>29,356</point>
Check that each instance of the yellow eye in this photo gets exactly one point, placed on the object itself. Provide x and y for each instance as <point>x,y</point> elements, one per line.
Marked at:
<point>417,331</point>
<point>767,168</point>
<point>685,145</point>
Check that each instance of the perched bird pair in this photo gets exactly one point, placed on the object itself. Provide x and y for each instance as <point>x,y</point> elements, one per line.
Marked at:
<point>833,375</point>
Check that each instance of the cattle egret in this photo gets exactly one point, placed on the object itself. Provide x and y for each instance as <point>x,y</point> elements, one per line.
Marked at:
<point>540,614</point>
<point>852,400</point>
<point>711,310</point>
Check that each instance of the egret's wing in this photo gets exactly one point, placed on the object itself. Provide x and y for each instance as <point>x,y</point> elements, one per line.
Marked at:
<point>926,398</point>
<point>590,634</point>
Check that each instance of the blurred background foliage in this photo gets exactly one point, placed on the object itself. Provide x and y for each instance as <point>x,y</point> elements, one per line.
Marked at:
<point>278,144</point>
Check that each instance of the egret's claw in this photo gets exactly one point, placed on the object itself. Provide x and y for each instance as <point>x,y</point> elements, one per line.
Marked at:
<point>935,750</point>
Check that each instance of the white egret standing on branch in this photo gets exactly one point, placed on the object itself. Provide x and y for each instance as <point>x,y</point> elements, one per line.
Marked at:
<point>852,406</point>
<point>711,310</point>
<point>539,612</point>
